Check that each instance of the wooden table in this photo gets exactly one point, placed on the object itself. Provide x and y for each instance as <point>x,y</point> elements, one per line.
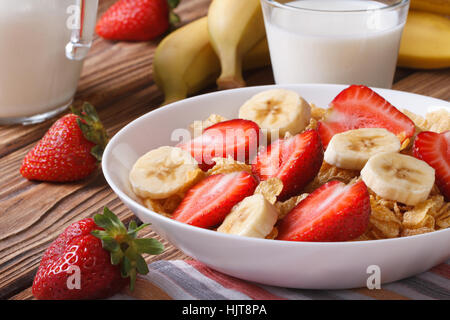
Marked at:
<point>117,78</point>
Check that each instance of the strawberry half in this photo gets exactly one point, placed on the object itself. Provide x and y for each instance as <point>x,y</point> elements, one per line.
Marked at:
<point>207,203</point>
<point>100,252</point>
<point>295,161</point>
<point>434,149</point>
<point>333,212</point>
<point>237,138</point>
<point>70,150</point>
<point>361,107</point>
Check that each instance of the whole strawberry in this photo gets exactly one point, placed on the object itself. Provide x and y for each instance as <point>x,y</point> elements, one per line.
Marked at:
<point>92,259</point>
<point>136,20</point>
<point>70,150</point>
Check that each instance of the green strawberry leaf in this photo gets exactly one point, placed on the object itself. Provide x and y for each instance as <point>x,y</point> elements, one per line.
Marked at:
<point>174,18</point>
<point>103,222</point>
<point>132,226</point>
<point>92,128</point>
<point>116,257</point>
<point>150,246</point>
<point>132,231</point>
<point>110,244</point>
<point>100,233</point>
<point>125,267</point>
<point>125,248</point>
<point>97,152</point>
<point>173,3</point>
<point>118,225</point>
<point>141,265</point>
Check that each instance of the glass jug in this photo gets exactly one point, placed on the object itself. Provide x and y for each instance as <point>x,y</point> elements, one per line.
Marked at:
<point>42,47</point>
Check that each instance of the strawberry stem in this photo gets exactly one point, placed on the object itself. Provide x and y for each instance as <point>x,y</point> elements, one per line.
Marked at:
<point>125,248</point>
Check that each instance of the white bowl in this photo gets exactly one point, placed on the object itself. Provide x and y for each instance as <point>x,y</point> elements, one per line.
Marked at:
<point>312,265</point>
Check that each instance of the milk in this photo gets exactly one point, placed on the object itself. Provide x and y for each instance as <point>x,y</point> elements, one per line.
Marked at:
<point>308,46</point>
<point>35,75</point>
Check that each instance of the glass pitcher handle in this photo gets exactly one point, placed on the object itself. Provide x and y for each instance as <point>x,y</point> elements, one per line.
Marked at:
<point>81,20</point>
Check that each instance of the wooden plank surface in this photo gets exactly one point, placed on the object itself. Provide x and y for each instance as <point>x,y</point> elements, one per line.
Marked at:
<point>117,79</point>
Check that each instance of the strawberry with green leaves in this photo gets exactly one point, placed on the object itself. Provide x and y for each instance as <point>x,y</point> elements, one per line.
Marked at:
<point>106,255</point>
<point>137,20</point>
<point>70,150</point>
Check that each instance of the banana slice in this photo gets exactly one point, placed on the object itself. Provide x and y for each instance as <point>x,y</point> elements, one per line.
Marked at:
<point>252,217</point>
<point>163,172</point>
<point>277,111</point>
<point>351,149</point>
<point>398,177</point>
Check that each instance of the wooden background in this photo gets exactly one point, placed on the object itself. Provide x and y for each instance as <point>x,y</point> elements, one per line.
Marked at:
<point>117,79</point>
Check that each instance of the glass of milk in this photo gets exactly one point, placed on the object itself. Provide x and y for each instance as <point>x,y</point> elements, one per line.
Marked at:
<point>42,47</point>
<point>334,41</point>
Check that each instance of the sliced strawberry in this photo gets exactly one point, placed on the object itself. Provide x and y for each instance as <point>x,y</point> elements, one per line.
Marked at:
<point>237,138</point>
<point>434,149</point>
<point>361,107</point>
<point>333,212</point>
<point>295,161</point>
<point>207,203</point>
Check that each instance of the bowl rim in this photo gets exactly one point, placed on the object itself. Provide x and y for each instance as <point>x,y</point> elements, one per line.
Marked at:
<point>207,232</point>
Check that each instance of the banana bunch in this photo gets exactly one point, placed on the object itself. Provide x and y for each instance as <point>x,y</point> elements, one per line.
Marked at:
<point>230,39</point>
<point>425,41</point>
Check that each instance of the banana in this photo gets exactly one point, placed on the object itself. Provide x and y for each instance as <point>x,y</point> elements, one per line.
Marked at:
<point>186,63</point>
<point>351,149</point>
<point>252,217</point>
<point>235,27</point>
<point>436,6</point>
<point>278,111</point>
<point>425,41</point>
<point>183,61</point>
<point>398,177</point>
<point>163,172</point>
